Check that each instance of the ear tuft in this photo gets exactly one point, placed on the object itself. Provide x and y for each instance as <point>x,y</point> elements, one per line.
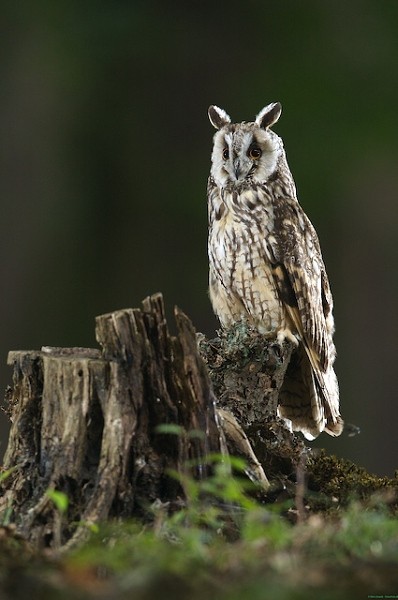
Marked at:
<point>269,115</point>
<point>218,117</point>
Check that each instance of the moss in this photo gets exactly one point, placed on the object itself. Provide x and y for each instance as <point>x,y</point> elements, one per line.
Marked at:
<point>341,481</point>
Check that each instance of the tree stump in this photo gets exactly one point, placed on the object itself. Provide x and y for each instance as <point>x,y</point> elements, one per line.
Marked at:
<point>247,372</point>
<point>97,424</point>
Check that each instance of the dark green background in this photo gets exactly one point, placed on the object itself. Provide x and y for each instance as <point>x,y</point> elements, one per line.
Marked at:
<point>105,152</point>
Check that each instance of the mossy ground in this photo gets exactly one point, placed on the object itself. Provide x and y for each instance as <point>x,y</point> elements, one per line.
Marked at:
<point>341,543</point>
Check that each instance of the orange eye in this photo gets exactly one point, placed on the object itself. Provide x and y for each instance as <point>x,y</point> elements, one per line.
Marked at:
<point>225,154</point>
<point>255,152</point>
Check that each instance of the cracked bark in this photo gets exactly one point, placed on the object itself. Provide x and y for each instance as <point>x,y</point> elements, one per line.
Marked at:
<point>86,421</point>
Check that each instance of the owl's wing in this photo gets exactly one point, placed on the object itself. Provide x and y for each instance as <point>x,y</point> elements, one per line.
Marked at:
<point>302,282</point>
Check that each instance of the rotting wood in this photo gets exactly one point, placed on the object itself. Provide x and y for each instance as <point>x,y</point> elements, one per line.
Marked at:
<point>247,372</point>
<point>85,421</point>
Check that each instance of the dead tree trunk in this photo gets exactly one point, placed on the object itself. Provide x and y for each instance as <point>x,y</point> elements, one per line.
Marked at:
<point>247,372</point>
<point>86,422</point>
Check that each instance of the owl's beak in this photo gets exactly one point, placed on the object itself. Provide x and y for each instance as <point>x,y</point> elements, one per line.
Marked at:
<point>237,170</point>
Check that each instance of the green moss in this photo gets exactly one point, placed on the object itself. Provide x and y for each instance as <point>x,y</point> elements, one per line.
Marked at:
<point>342,481</point>
<point>349,552</point>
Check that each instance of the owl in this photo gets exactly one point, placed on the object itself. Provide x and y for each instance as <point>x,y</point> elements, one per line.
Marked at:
<point>266,266</point>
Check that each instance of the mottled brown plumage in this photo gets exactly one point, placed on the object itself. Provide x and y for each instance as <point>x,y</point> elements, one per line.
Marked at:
<point>266,265</point>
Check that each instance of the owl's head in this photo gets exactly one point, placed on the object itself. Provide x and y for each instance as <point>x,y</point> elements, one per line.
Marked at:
<point>245,151</point>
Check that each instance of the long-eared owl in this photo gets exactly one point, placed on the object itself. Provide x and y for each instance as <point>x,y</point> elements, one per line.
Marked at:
<point>266,265</point>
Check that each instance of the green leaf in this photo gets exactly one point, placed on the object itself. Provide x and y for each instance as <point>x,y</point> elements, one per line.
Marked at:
<point>196,433</point>
<point>170,428</point>
<point>5,474</point>
<point>60,500</point>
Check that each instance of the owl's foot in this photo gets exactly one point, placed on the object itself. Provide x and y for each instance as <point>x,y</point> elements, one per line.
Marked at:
<point>286,334</point>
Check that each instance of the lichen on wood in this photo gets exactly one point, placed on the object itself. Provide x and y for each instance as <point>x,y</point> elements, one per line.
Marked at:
<point>247,370</point>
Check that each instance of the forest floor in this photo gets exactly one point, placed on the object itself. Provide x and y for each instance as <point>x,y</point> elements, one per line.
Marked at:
<point>335,535</point>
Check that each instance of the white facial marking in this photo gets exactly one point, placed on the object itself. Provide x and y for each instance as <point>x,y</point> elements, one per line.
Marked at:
<point>237,165</point>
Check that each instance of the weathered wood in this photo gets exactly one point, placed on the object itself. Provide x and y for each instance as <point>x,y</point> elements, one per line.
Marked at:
<point>247,371</point>
<point>87,422</point>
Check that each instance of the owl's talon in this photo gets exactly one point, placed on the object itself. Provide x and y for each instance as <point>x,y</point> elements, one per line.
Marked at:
<point>284,335</point>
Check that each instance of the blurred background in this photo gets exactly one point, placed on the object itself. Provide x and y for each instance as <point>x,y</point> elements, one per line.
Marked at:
<point>105,152</point>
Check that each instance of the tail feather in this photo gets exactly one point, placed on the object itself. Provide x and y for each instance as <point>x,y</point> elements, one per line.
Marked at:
<point>309,398</point>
